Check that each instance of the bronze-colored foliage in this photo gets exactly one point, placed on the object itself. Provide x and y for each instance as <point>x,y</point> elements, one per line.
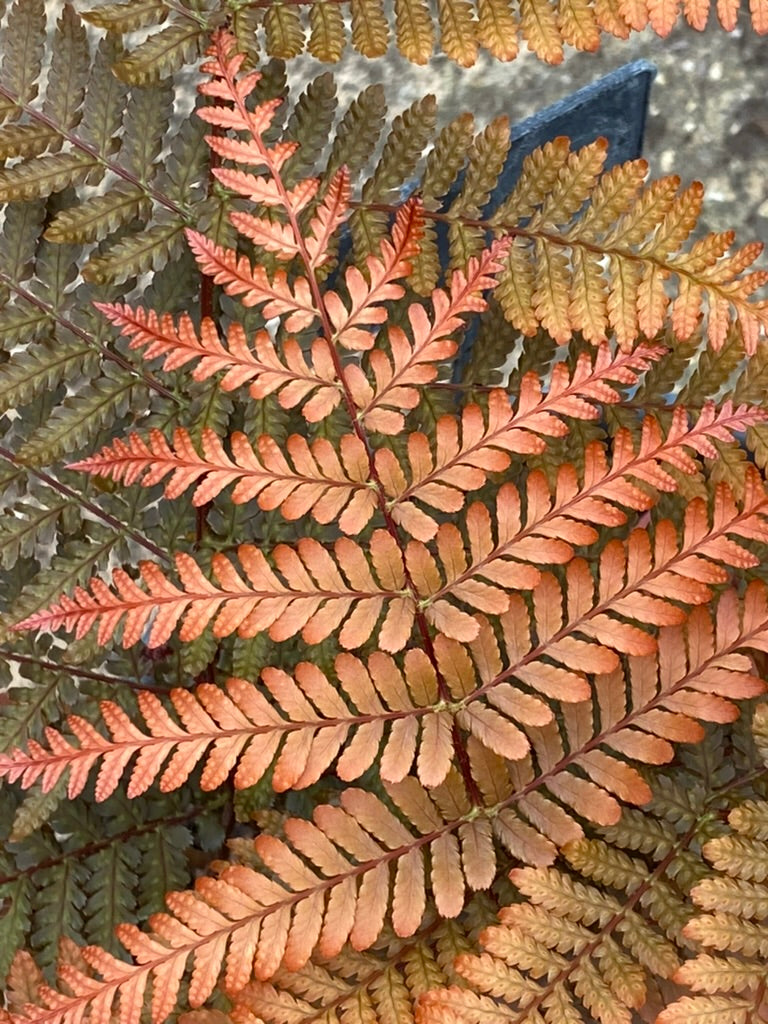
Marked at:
<point>425,702</point>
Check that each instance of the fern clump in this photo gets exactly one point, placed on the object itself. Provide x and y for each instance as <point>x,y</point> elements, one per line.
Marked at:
<point>436,700</point>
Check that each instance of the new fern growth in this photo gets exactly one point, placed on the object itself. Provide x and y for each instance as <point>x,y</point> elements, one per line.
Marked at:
<point>436,702</point>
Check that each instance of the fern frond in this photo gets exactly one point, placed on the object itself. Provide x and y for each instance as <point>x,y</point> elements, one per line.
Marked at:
<point>22,46</point>
<point>467,452</point>
<point>292,376</point>
<point>252,284</point>
<point>306,479</point>
<point>358,132</point>
<point>386,980</point>
<point>312,479</point>
<point>65,88</point>
<point>609,949</point>
<point>70,567</point>
<point>330,884</point>
<point>104,102</point>
<point>485,162</point>
<point>464,28</point>
<point>39,177</point>
<point>78,419</point>
<point>150,249</point>
<point>414,30</point>
<point>554,275</point>
<point>327,37</point>
<point>162,53</point>
<point>320,591</point>
<point>412,363</point>
<point>226,912</point>
<point>41,368</point>
<point>99,216</point>
<point>569,945</point>
<point>127,16</point>
<point>315,897</point>
<point>365,702</point>
<point>411,132</point>
<point>534,614</point>
<point>54,881</point>
<point>402,705</point>
<point>729,981</point>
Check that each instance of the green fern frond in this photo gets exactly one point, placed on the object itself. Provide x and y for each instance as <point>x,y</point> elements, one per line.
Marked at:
<point>68,73</point>
<point>79,419</point>
<point>162,53</point>
<point>22,47</point>
<point>727,975</point>
<point>26,528</point>
<point>128,16</point>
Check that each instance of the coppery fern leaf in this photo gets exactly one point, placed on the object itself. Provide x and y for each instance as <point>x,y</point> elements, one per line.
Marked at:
<point>339,877</point>
<point>316,591</point>
<point>291,376</point>
<point>314,479</point>
<point>310,721</point>
<point>523,661</point>
<point>305,478</point>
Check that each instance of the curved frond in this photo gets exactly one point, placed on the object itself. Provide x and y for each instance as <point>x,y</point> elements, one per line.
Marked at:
<point>328,882</point>
<point>599,252</point>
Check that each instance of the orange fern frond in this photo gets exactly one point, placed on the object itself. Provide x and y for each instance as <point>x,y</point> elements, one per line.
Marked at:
<point>291,376</point>
<point>409,365</point>
<point>310,720</point>
<point>469,449</point>
<point>341,876</point>
<point>317,592</point>
<point>307,478</point>
<point>279,238</point>
<point>343,325</point>
<point>304,724</point>
<point>332,880</point>
<point>278,297</point>
<point>314,479</point>
<point>347,325</point>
